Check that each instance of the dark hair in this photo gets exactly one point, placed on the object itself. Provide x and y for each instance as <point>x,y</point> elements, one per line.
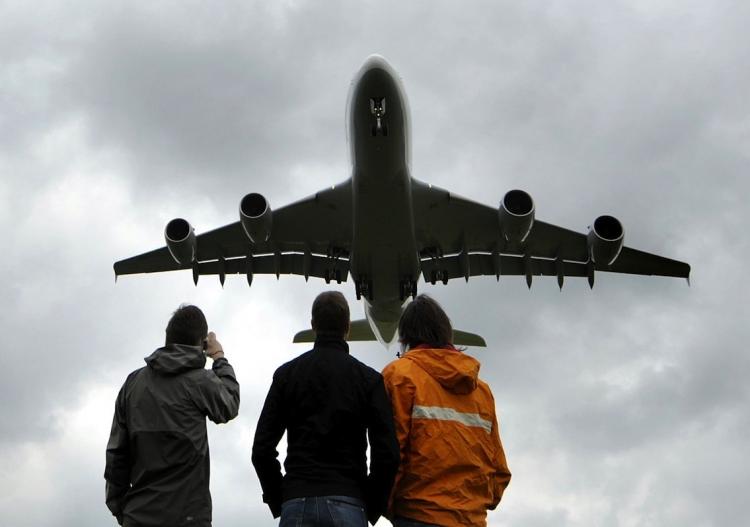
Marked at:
<point>424,322</point>
<point>187,326</point>
<point>330,314</point>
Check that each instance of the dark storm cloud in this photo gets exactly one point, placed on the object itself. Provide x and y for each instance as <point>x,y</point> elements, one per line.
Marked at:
<point>625,405</point>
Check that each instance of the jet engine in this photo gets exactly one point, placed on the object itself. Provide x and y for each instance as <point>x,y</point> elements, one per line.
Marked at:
<point>255,216</point>
<point>516,215</point>
<point>605,239</point>
<point>181,243</point>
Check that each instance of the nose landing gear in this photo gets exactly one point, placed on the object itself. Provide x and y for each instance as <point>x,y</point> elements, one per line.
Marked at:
<point>377,109</point>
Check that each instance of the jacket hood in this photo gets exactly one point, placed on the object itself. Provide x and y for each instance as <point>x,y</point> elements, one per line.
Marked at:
<point>176,358</point>
<point>455,371</point>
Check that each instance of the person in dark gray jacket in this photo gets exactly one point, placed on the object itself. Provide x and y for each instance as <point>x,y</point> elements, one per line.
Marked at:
<point>157,469</point>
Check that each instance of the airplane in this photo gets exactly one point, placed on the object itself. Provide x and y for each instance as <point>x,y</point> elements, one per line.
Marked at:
<point>385,229</point>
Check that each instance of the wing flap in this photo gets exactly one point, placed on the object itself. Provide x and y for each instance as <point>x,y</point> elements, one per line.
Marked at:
<point>278,264</point>
<point>480,264</point>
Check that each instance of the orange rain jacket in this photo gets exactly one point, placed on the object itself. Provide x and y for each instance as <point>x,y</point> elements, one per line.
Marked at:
<point>453,465</point>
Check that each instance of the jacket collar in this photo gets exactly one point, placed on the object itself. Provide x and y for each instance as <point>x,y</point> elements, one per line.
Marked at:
<point>326,341</point>
<point>176,358</point>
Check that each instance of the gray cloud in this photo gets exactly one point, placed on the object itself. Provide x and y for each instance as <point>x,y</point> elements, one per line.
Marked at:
<point>625,405</point>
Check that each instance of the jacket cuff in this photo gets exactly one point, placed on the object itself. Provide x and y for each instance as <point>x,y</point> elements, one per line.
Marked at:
<point>219,362</point>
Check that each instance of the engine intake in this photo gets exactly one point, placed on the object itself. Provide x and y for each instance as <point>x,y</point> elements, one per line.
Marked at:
<point>605,239</point>
<point>180,237</point>
<point>256,216</point>
<point>516,215</point>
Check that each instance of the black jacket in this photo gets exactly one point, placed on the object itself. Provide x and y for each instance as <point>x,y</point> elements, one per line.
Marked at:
<point>157,470</point>
<point>329,403</point>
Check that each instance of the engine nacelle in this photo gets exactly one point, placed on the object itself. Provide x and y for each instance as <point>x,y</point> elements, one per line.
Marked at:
<point>181,243</point>
<point>605,239</point>
<point>516,215</point>
<point>255,216</point>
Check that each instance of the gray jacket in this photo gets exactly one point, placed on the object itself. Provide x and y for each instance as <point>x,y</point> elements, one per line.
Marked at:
<point>157,470</point>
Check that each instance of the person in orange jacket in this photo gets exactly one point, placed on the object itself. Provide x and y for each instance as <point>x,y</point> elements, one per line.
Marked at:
<point>453,466</point>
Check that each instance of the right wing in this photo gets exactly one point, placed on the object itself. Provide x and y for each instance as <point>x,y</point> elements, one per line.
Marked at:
<point>460,238</point>
<point>311,237</point>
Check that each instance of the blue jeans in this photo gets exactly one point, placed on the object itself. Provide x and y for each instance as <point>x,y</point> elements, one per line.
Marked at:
<point>400,521</point>
<point>323,511</point>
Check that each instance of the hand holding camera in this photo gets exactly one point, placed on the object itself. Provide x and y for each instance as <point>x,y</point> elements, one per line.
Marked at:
<point>213,347</point>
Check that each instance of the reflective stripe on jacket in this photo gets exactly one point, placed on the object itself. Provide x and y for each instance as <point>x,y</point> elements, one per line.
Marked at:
<point>453,466</point>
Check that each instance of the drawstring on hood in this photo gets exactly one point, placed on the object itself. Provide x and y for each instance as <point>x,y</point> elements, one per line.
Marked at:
<point>176,358</point>
<point>455,371</point>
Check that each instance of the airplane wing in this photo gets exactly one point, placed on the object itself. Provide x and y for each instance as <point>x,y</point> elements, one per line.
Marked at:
<point>458,237</point>
<point>311,237</point>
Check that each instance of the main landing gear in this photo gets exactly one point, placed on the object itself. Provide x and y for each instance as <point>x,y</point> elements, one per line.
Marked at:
<point>363,287</point>
<point>407,288</point>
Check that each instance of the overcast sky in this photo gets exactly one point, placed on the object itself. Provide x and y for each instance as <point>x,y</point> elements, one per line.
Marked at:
<point>623,406</point>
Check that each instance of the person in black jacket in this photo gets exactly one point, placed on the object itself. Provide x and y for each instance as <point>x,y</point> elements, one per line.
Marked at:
<point>157,470</point>
<point>329,404</point>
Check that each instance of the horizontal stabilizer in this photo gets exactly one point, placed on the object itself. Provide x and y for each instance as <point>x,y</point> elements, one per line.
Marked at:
<point>464,338</point>
<point>360,331</point>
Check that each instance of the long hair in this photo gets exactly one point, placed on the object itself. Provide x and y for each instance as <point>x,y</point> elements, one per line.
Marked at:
<point>424,322</point>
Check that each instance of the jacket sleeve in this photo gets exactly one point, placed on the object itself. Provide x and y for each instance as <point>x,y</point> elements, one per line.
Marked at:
<point>384,451</point>
<point>218,393</point>
<point>401,390</point>
<point>500,476</point>
<point>117,468</point>
<point>271,426</point>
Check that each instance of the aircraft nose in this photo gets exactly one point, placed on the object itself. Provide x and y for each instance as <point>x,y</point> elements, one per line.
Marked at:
<point>378,62</point>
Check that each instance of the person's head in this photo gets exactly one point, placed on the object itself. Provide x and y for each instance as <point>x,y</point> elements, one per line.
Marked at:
<point>330,314</point>
<point>424,322</point>
<point>187,326</point>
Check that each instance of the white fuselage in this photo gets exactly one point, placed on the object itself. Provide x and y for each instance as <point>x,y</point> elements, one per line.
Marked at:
<point>384,258</point>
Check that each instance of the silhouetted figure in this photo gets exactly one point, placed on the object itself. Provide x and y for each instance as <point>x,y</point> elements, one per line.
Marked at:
<point>329,404</point>
<point>157,457</point>
<point>453,466</point>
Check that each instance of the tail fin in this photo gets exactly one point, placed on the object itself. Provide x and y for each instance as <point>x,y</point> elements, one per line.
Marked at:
<point>360,331</point>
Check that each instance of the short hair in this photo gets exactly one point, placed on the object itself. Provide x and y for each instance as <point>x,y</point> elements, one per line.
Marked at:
<point>187,326</point>
<point>330,314</point>
<point>424,322</point>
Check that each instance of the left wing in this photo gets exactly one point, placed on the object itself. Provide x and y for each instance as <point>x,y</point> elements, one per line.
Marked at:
<point>311,237</point>
<point>458,237</point>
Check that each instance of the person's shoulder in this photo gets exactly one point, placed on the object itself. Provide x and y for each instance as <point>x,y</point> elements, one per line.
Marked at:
<point>368,371</point>
<point>132,375</point>
<point>291,364</point>
<point>485,390</point>
<point>401,369</point>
